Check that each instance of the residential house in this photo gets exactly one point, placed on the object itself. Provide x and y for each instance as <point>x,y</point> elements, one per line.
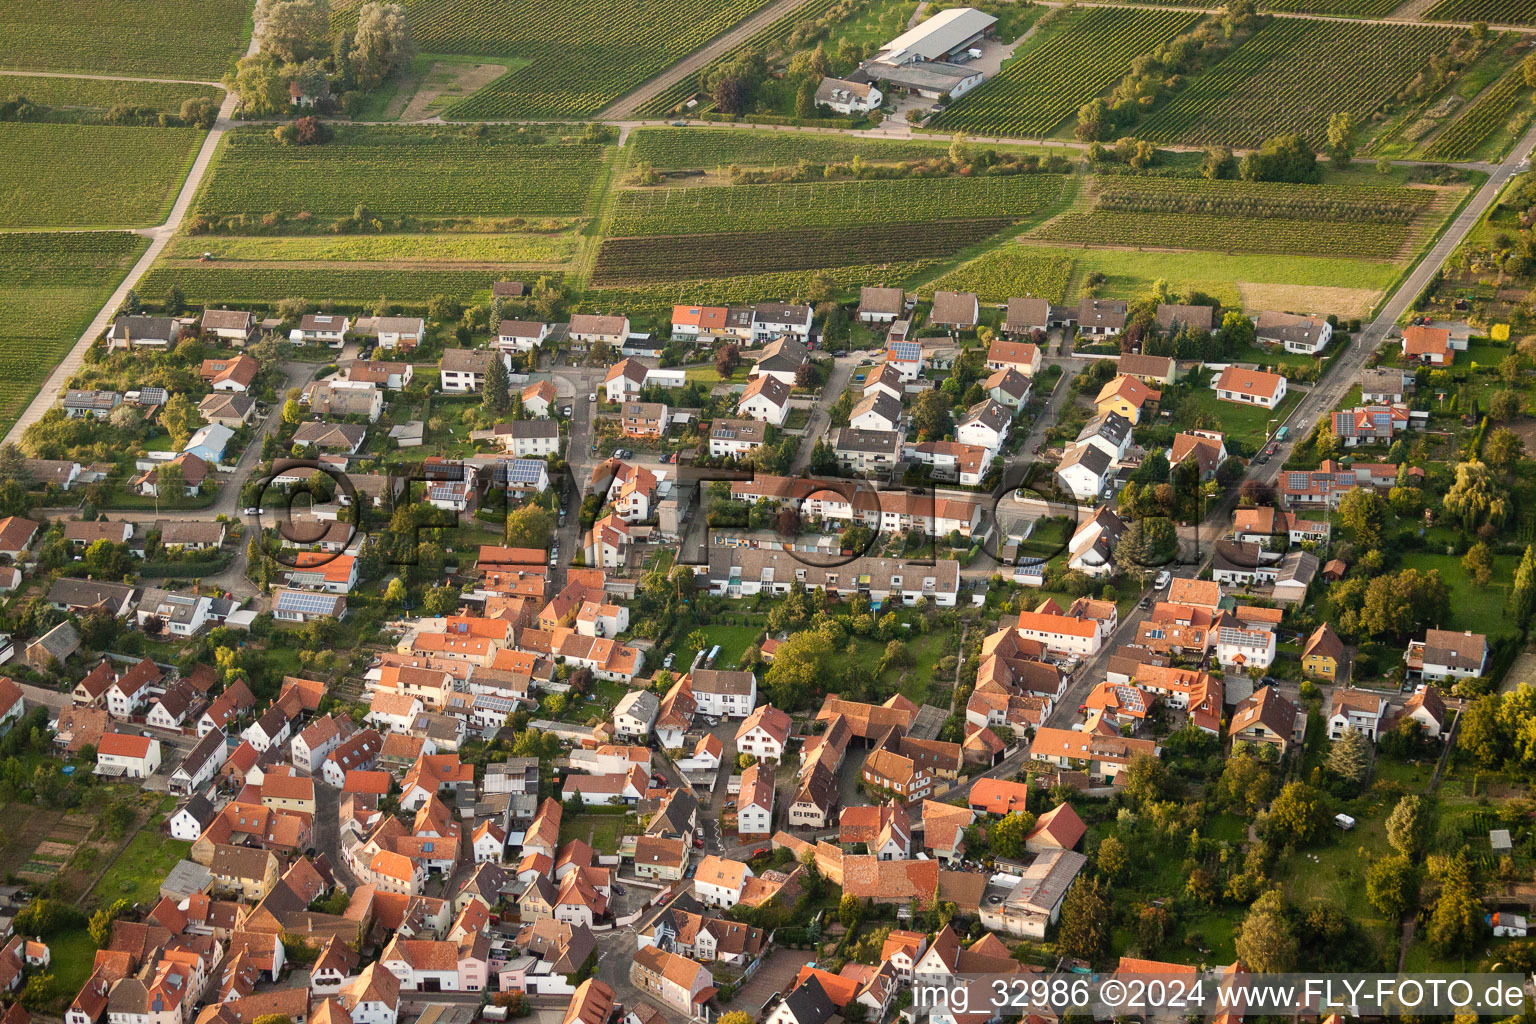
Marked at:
<point>400,331</point>
<point>985,425</point>
<point>321,329</point>
<point>464,370</point>
<point>1447,654</point>
<point>1305,335</point>
<point>881,305</point>
<point>844,97</point>
<point>1022,319</point>
<point>1323,655</point>
<point>152,332</point>
<point>1358,710</point>
<point>782,358</point>
<point>587,329</point>
<point>1101,318</point>
<point>876,411</point>
<point>120,755</point>
<point>237,327</point>
<point>1268,717</point>
<point>764,733</point>
<point>765,398</point>
<point>958,311</point>
<point>234,375</point>
<point>867,451</point>
<point>678,983</point>
<point>1429,346</point>
<point>1127,396</point>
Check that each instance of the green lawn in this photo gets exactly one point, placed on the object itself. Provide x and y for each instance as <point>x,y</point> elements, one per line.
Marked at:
<point>600,830</point>
<point>73,957</point>
<point>1244,423</point>
<point>137,873</point>
<point>733,642</point>
<point>1480,609</point>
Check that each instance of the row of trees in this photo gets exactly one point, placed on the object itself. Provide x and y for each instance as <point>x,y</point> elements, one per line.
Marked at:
<point>297,46</point>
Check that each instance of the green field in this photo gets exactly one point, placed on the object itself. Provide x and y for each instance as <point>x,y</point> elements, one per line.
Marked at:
<point>656,300</point>
<point>89,94</point>
<point>51,285</point>
<point>152,38</point>
<point>623,261</point>
<point>91,176</point>
<point>668,211</point>
<point>137,873</point>
<point>1131,274</point>
<point>1499,12</point>
<point>1222,234</point>
<point>556,247</point>
<point>708,148</point>
<point>1011,271</point>
<point>347,285</point>
<point>403,172</point>
<point>1291,76</point>
<point>1475,608</point>
<point>581,56</point>
<point>1077,56</point>
<point>1248,424</point>
<point>1493,111</point>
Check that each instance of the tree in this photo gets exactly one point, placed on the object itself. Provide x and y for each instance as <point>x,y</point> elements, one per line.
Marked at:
<point>1298,817</point>
<point>1408,826</point>
<point>1523,594</point>
<point>1218,163</point>
<point>1456,923</point>
<point>1505,404</point>
<point>787,522</point>
<point>1007,836</point>
<point>292,31</point>
<point>1349,757</point>
<point>180,419</point>
<point>1266,940</point>
<point>805,99</point>
<point>1478,563</point>
<point>1145,778</point>
<point>1364,513</point>
<point>1085,921</point>
<point>823,458</point>
<point>381,43</point>
<point>1528,70</point>
<point>727,358</point>
<point>528,527</point>
<point>1282,158</point>
<point>734,1017</point>
<point>1476,497</point>
<point>1392,886</point>
<point>931,416</point>
<point>293,412</point>
<point>799,668</point>
<point>170,481</point>
<point>100,926</point>
<point>1342,132</point>
<point>1399,605</point>
<point>497,396</point>
<point>1152,924</point>
<point>394,594</point>
<point>1112,858</point>
<point>1503,449</point>
<point>440,601</point>
<point>1245,783</point>
<point>1148,543</point>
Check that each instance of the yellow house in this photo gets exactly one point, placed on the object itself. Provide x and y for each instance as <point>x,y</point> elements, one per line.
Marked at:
<point>1127,396</point>
<point>246,872</point>
<point>1323,654</point>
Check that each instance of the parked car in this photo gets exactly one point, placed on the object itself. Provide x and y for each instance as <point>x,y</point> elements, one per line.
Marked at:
<point>592,397</point>
<point>1163,579</point>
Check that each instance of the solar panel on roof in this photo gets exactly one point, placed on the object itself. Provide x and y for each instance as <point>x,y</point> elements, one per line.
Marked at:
<point>305,603</point>
<point>525,471</point>
<point>906,350</point>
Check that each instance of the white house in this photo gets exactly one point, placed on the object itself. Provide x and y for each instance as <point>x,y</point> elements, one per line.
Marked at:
<point>718,882</point>
<point>120,755</point>
<point>724,693</point>
<point>1250,387</point>
<point>520,335</point>
<point>984,424</point>
<point>845,97</point>
<point>1083,470</point>
<point>400,331</point>
<point>754,803</point>
<point>765,399</point>
<point>764,733</point>
<point>1306,335</point>
<point>1357,710</point>
<point>321,329</point>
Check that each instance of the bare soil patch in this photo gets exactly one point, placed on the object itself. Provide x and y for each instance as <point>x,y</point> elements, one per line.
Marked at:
<point>450,80</point>
<point>1345,302</point>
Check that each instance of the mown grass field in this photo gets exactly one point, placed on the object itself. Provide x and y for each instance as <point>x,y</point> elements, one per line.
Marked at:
<point>212,283</point>
<point>1077,56</point>
<point>88,94</point>
<point>91,176</point>
<point>708,148</point>
<point>137,873</point>
<point>581,55</point>
<point>152,38</point>
<point>410,172</point>
<point>51,285</point>
<point>1291,76</point>
<point>668,211</point>
<point>556,247</point>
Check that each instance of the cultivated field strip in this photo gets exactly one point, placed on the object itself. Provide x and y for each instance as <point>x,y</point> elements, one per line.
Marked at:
<point>402,171</point>
<point>100,94</point>
<point>149,38</point>
<point>768,39</point>
<point>92,176</point>
<point>581,55</point>
<point>214,284</point>
<point>1497,12</point>
<point>673,211</point>
<point>706,149</point>
<point>1462,137</point>
<point>623,261</point>
<point>1368,222</point>
<point>1009,271</point>
<point>51,285</point>
<point>1080,55</point>
<point>1291,76</point>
